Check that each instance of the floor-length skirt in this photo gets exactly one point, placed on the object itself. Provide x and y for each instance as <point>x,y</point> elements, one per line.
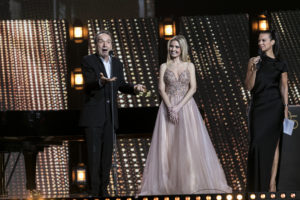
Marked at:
<point>182,158</point>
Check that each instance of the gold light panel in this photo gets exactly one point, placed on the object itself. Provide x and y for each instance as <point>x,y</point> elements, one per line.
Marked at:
<point>219,49</point>
<point>53,171</point>
<point>286,23</point>
<point>33,69</point>
<point>17,185</point>
<point>135,43</point>
<point>131,158</point>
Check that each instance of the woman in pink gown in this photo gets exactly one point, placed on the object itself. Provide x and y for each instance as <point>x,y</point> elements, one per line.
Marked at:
<point>181,158</point>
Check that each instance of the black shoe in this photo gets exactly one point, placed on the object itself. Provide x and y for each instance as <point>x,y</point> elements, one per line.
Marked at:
<point>34,194</point>
<point>93,194</point>
<point>104,193</point>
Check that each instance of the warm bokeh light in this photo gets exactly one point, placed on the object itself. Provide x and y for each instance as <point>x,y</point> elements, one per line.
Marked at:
<point>293,195</point>
<point>239,197</point>
<point>263,25</point>
<point>81,175</point>
<point>168,30</point>
<point>208,197</point>
<point>282,195</point>
<point>229,197</point>
<point>78,79</point>
<point>252,196</point>
<point>78,32</point>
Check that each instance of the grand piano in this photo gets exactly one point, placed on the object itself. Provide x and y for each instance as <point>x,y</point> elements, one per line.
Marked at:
<point>30,132</point>
<point>23,131</point>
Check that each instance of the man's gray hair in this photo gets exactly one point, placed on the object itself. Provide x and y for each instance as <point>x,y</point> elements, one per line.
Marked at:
<point>101,32</point>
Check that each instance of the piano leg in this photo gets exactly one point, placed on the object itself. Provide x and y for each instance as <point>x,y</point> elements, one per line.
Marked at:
<point>2,179</point>
<point>30,168</point>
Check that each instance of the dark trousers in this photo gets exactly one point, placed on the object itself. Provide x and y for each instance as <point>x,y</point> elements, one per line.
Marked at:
<point>99,147</point>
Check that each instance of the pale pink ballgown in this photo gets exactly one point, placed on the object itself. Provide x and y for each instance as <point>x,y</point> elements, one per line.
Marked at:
<point>181,158</point>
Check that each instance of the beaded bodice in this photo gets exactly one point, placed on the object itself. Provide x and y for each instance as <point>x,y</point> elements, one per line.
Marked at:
<point>177,86</point>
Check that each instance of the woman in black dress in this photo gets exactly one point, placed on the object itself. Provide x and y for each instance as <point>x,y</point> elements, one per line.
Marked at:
<point>268,82</point>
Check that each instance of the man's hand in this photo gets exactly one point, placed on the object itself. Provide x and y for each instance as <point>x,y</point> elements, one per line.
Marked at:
<point>139,88</point>
<point>104,79</point>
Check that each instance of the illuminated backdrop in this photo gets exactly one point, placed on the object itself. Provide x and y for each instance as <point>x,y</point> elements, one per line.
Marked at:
<point>33,68</point>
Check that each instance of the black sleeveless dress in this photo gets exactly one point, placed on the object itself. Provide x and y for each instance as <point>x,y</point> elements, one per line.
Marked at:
<point>265,122</point>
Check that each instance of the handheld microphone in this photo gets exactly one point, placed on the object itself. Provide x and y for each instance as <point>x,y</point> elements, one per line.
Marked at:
<point>259,52</point>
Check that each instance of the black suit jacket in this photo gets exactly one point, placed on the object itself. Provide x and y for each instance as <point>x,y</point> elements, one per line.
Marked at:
<point>97,96</point>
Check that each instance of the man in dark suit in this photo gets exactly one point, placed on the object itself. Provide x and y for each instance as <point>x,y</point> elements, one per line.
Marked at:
<point>102,73</point>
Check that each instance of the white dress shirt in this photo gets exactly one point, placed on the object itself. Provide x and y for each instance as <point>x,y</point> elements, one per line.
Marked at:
<point>107,66</point>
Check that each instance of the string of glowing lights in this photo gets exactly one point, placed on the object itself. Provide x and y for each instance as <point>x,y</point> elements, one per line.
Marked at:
<point>219,50</point>
<point>33,68</point>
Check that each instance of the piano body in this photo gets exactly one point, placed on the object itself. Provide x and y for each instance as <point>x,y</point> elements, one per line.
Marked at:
<point>29,132</point>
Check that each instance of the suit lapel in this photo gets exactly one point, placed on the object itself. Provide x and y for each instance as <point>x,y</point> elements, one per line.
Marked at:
<point>99,65</point>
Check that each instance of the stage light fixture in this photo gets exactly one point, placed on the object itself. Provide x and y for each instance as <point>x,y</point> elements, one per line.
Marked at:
<point>77,81</point>
<point>262,196</point>
<point>273,196</point>
<point>78,32</point>
<point>198,198</point>
<point>219,197</point>
<point>239,197</point>
<point>229,197</point>
<point>293,195</point>
<point>167,28</point>
<point>166,198</point>
<point>252,196</point>
<point>79,175</point>
<point>177,198</point>
<point>260,23</point>
<point>282,195</point>
<point>208,197</point>
<point>187,198</point>
<point>263,25</point>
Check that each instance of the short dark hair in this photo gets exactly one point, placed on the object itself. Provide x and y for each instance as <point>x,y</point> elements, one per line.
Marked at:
<point>102,32</point>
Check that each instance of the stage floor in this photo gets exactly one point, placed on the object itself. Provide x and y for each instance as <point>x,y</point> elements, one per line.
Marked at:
<point>232,196</point>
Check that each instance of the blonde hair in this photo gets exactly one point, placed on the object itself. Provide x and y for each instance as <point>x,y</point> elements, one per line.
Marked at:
<point>183,46</point>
